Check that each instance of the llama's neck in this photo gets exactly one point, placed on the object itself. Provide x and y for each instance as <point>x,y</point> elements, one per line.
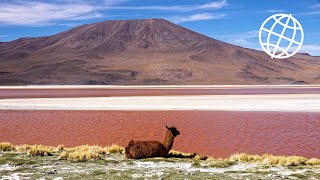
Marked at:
<point>168,141</point>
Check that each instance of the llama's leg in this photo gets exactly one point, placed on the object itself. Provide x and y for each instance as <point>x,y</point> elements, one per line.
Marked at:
<point>135,154</point>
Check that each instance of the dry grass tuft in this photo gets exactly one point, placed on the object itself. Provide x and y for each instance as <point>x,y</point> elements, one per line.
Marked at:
<point>270,159</point>
<point>115,149</point>
<point>23,148</point>
<point>84,153</point>
<point>284,160</point>
<point>6,146</point>
<point>60,147</point>
<point>87,148</point>
<point>313,161</point>
<point>243,157</point>
<point>177,154</point>
<point>40,150</point>
<point>80,156</point>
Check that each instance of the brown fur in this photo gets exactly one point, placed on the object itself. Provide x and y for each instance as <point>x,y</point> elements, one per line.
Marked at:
<point>148,149</point>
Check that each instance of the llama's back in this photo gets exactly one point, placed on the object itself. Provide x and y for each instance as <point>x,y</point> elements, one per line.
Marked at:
<point>145,149</point>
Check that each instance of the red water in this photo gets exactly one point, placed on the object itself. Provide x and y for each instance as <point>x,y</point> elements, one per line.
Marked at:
<point>219,134</point>
<point>53,93</point>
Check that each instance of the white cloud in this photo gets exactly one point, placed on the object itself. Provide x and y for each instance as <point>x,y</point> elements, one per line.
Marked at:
<point>241,39</point>
<point>113,2</point>
<point>313,10</point>
<point>37,13</point>
<point>275,11</point>
<point>212,5</point>
<point>2,36</point>
<point>311,49</point>
<point>70,24</point>
<point>310,13</point>
<point>197,17</point>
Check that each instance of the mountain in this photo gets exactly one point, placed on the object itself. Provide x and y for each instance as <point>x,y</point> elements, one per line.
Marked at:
<point>144,52</point>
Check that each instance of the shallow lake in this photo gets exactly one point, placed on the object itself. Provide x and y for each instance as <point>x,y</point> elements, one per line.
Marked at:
<point>216,133</point>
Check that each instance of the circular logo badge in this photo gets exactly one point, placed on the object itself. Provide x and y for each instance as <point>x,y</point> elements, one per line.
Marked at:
<point>281,36</point>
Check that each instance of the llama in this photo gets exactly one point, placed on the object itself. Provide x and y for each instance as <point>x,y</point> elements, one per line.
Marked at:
<point>148,149</point>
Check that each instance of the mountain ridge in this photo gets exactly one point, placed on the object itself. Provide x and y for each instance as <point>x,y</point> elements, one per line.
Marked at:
<point>144,52</point>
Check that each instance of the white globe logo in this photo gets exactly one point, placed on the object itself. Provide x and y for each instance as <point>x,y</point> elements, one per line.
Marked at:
<point>283,37</point>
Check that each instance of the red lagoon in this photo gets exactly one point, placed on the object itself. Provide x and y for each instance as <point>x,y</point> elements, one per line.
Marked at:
<point>215,133</point>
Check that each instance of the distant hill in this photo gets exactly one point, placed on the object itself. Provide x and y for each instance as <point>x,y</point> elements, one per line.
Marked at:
<point>144,52</point>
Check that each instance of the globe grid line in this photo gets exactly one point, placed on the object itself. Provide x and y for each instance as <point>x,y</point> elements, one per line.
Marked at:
<point>283,53</point>
<point>278,48</point>
<point>282,33</point>
<point>279,35</point>
<point>294,21</point>
<point>290,27</point>
<point>271,29</point>
<point>293,35</point>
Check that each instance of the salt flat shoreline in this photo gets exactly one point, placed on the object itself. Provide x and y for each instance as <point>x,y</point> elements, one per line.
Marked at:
<point>152,86</point>
<point>259,102</point>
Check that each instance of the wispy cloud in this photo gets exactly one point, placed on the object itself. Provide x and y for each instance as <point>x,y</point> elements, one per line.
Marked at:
<point>311,49</point>
<point>197,17</point>
<point>212,5</point>
<point>37,13</point>
<point>70,24</point>
<point>250,40</point>
<point>313,10</point>
<point>275,11</point>
<point>315,6</point>
<point>241,39</point>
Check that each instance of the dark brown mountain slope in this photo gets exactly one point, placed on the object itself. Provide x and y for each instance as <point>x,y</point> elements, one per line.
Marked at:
<point>148,51</point>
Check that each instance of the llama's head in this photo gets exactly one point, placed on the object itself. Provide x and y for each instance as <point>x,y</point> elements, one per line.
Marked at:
<point>173,130</point>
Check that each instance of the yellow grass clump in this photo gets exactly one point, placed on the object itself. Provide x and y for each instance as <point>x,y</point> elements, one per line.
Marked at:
<point>40,150</point>
<point>84,153</point>
<point>80,156</point>
<point>284,160</point>
<point>6,146</point>
<point>23,148</point>
<point>115,149</point>
<point>243,157</point>
<point>60,148</point>
<point>313,161</point>
<point>95,149</point>
<point>177,154</point>
<point>270,159</point>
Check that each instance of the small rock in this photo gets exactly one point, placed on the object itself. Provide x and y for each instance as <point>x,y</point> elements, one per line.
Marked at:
<point>51,172</point>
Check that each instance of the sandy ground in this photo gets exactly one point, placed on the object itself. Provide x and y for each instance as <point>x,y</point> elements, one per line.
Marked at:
<point>261,102</point>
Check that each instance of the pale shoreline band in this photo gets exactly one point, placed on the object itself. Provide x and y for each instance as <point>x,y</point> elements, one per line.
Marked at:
<point>153,86</point>
<point>261,102</point>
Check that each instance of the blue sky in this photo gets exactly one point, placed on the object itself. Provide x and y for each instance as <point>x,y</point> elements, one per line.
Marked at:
<point>232,21</point>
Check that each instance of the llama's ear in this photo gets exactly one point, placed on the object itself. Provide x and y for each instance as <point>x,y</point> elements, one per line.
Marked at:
<point>167,127</point>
